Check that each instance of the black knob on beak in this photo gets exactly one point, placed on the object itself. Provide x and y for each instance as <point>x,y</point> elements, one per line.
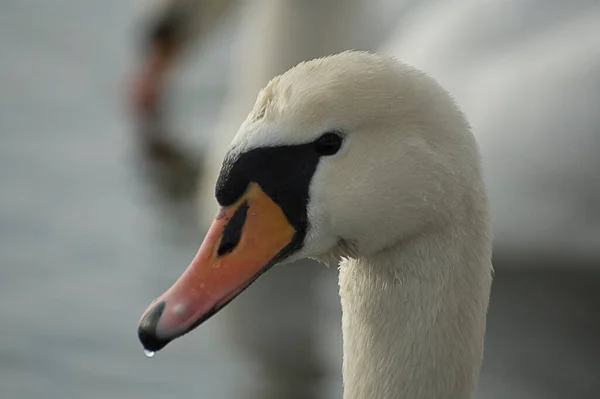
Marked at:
<point>147,329</point>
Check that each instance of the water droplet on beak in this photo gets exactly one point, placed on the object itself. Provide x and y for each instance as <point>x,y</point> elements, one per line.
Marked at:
<point>148,353</point>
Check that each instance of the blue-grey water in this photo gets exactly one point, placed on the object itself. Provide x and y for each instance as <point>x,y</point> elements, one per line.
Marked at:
<point>84,245</point>
<point>82,250</point>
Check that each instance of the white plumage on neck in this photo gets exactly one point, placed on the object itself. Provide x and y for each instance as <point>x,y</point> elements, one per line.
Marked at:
<point>414,319</point>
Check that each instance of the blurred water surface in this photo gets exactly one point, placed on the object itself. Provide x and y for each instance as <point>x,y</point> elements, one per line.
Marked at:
<point>82,250</point>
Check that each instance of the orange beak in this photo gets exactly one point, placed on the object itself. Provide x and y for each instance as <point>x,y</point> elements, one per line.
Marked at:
<point>244,240</point>
<point>147,84</point>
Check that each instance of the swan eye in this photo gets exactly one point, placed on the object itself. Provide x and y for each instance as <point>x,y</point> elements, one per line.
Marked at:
<point>328,144</point>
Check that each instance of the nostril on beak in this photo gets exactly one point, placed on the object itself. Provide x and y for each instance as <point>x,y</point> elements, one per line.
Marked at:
<point>147,329</point>
<point>233,231</point>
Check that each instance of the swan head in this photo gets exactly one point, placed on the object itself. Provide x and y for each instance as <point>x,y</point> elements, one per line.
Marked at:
<point>342,156</point>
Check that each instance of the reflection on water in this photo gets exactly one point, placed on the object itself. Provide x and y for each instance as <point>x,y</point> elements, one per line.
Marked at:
<point>85,246</point>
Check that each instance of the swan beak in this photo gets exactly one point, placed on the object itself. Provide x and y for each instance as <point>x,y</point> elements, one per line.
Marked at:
<point>244,240</point>
<point>148,81</point>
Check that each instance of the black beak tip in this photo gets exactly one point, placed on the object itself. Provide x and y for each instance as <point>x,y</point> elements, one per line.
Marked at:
<point>147,329</point>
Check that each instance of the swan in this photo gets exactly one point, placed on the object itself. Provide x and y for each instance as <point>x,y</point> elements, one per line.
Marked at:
<point>528,81</point>
<point>271,38</point>
<point>166,30</point>
<point>535,71</point>
<point>361,159</point>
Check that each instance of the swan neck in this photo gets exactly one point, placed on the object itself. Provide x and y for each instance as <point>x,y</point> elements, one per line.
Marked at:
<point>414,320</point>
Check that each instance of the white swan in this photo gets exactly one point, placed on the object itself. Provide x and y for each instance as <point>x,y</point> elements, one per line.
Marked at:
<point>536,71</point>
<point>528,79</point>
<point>360,158</point>
<point>273,37</point>
<point>167,27</point>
